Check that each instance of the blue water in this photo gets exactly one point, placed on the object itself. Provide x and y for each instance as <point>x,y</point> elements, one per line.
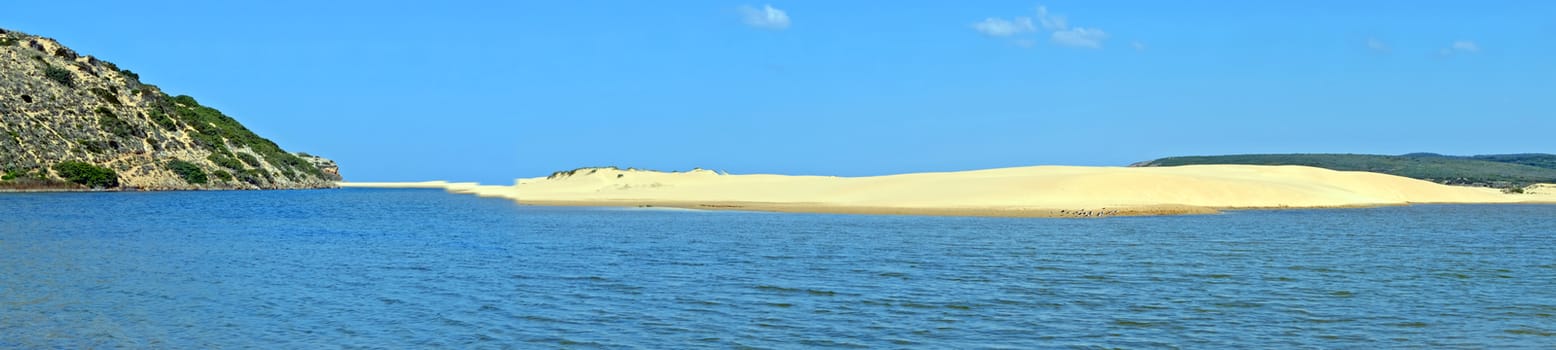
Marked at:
<point>421,268</point>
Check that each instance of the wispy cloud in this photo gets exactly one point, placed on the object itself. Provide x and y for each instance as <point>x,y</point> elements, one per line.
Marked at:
<point>1378,45</point>
<point>997,27</point>
<point>1461,46</point>
<point>1064,35</point>
<point>766,17</point>
<point>1061,32</point>
<point>1081,37</point>
<point>1465,46</point>
<point>1051,22</point>
<point>1139,46</point>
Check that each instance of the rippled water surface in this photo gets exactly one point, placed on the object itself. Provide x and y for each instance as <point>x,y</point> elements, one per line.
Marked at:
<point>421,268</point>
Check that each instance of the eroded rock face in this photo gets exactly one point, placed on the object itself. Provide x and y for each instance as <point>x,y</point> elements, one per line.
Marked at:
<point>57,106</point>
<point>325,165</point>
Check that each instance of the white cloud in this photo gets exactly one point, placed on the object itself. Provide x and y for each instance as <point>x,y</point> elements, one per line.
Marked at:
<point>997,27</point>
<point>1377,45</point>
<point>1081,37</point>
<point>1051,22</point>
<point>766,17</point>
<point>1139,46</point>
<point>1062,32</point>
<point>1461,46</point>
<point>1465,46</point>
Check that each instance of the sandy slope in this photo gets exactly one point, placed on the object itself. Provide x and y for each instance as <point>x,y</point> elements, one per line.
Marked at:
<point>1024,191</point>
<point>1542,189</point>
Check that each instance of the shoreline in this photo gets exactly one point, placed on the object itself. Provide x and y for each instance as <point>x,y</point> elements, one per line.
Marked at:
<point>1039,191</point>
<point>89,190</point>
<point>1074,211</point>
<point>1102,212</point>
<point>60,190</point>
<point>819,208</point>
<point>1105,212</point>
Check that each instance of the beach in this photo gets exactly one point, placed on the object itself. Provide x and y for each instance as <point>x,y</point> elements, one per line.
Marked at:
<point>1036,191</point>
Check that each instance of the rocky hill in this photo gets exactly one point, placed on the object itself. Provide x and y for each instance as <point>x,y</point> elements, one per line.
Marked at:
<point>75,121</point>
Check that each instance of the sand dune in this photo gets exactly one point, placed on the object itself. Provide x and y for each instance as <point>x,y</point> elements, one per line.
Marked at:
<point>1023,191</point>
<point>1542,189</point>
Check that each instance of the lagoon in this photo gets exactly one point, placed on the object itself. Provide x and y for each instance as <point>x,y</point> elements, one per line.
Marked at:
<point>415,268</point>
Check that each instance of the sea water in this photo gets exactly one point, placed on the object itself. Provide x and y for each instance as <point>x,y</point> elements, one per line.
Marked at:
<point>362,268</point>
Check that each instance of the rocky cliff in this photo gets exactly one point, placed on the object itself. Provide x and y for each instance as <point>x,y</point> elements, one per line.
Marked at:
<point>76,121</point>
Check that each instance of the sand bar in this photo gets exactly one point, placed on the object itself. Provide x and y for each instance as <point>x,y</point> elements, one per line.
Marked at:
<point>1037,191</point>
<point>421,184</point>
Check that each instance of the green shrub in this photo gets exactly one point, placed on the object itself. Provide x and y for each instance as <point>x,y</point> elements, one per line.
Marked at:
<point>10,175</point>
<point>254,177</point>
<point>186,100</point>
<point>223,175</point>
<point>61,75</point>
<point>92,146</point>
<point>106,95</point>
<point>225,161</point>
<point>189,171</point>
<point>111,123</point>
<point>208,141</point>
<point>248,159</point>
<point>162,120</point>
<point>87,174</point>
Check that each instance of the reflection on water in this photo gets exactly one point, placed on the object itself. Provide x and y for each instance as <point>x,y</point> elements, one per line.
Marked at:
<point>419,268</point>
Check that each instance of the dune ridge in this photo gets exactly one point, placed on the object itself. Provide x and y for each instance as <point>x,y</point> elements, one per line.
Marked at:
<point>1035,191</point>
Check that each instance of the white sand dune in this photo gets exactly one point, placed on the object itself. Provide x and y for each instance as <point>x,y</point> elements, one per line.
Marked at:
<point>1023,191</point>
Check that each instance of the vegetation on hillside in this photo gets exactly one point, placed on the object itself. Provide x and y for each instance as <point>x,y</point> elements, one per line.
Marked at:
<point>81,110</point>
<point>189,171</point>
<point>216,131</point>
<point>1506,171</point>
<point>1541,160</point>
<point>87,174</point>
<point>31,179</point>
<point>60,75</point>
<point>111,123</point>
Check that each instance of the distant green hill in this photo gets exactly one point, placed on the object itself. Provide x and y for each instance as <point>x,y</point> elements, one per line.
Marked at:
<point>1542,160</point>
<point>1499,170</point>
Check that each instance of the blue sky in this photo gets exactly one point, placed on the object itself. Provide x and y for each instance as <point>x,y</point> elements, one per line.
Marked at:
<point>493,90</point>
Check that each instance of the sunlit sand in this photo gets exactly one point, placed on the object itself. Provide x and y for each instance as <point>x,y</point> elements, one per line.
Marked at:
<point>1037,191</point>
